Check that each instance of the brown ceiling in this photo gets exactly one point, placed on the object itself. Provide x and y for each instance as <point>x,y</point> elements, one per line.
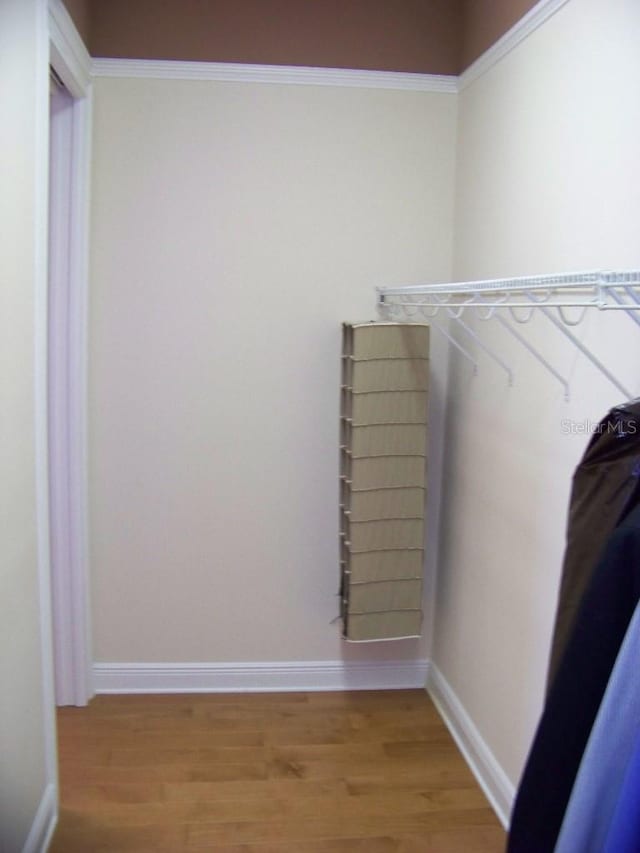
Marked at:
<point>483,22</point>
<point>423,36</point>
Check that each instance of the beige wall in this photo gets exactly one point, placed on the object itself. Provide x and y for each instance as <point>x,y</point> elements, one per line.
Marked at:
<point>24,716</point>
<point>547,180</point>
<point>234,227</point>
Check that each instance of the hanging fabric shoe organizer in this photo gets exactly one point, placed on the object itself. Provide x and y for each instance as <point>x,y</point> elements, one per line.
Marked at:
<point>383,425</point>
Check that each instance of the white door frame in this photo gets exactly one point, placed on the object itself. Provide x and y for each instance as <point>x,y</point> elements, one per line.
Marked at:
<point>67,373</point>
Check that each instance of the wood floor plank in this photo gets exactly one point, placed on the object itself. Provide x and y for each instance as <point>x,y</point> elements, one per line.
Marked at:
<point>331,808</point>
<point>267,773</point>
<point>177,736</point>
<point>249,789</point>
<point>340,845</point>
<point>209,835</point>
<point>150,773</point>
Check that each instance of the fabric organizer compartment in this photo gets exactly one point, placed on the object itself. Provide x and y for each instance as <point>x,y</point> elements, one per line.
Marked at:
<point>382,479</point>
<point>384,439</point>
<point>381,504</point>
<point>384,625</point>
<point>383,472</point>
<point>388,407</point>
<point>373,566</point>
<point>384,595</point>
<point>384,535</point>
<point>382,374</point>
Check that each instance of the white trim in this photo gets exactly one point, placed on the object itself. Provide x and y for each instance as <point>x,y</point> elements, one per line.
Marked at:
<point>60,127</point>
<point>279,74</point>
<point>69,56</point>
<point>40,264</point>
<point>44,823</point>
<point>68,458</point>
<point>67,399</point>
<point>258,677</point>
<point>483,764</point>
<point>530,22</point>
<point>78,392</point>
<point>160,69</point>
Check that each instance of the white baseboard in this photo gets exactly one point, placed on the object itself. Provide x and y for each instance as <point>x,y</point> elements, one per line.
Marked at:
<point>44,823</point>
<point>483,764</point>
<point>258,677</point>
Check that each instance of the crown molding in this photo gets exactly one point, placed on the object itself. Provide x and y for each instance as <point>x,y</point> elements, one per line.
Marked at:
<point>279,74</point>
<point>230,72</point>
<point>68,53</point>
<point>521,30</point>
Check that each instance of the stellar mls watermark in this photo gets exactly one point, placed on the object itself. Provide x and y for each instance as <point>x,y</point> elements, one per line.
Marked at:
<point>569,426</point>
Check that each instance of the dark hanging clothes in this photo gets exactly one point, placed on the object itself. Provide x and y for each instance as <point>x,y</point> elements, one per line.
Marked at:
<point>577,691</point>
<point>605,484</point>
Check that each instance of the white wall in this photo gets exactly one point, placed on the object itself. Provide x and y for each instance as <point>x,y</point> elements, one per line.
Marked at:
<point>548,180</point>
<point>27,782</point>
<point>234,227</point>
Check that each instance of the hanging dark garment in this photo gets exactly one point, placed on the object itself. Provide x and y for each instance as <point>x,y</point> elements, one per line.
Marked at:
<point>577,691</point>
<point>605,485</point>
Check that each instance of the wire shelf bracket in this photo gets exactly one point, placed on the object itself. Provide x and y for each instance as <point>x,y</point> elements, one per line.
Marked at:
<point>553,296</point>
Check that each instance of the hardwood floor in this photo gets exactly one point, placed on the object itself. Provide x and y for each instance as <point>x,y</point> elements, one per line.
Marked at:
<point>360,772</point>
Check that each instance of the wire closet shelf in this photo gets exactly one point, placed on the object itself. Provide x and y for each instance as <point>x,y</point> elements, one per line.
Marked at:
<point>563,299</point>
